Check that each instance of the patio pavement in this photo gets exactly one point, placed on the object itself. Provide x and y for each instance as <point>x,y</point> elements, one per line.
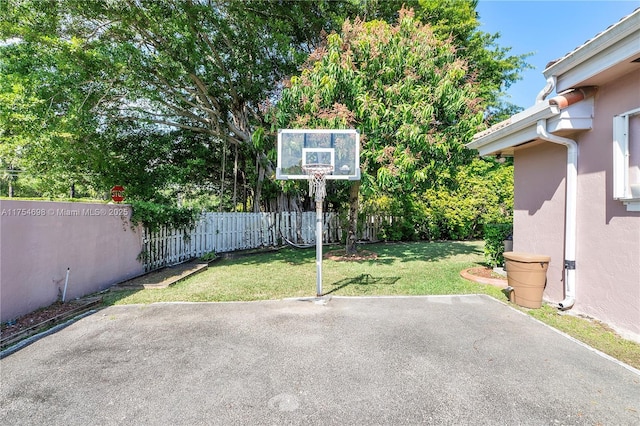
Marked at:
<point>347,361</point>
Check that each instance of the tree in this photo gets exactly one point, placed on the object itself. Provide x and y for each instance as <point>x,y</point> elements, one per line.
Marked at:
<point>185,87</point>
<point>47,94</point>
<point>206,66</point>
<point>209,67</point>
<point>411,96</point>
<point>457,22</point>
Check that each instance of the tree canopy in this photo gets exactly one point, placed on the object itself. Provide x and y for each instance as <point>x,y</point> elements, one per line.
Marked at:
<point>407,91</point>
<point>181,95</point>
<point>208,67</point>
<point>413,98</point>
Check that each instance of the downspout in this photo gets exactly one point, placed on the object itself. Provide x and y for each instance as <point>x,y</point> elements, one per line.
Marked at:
<point>548,88</point>
<point>570,211</point>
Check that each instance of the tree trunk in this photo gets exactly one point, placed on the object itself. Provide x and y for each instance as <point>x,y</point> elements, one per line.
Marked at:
<point>243,176</point>
<point>297,208</point>
<point>222,172</point>
<point>354,192</point>
<point>235,179</point>
<point>258,194</point>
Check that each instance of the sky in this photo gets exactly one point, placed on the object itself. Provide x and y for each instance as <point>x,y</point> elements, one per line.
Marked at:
<point>549,30</point>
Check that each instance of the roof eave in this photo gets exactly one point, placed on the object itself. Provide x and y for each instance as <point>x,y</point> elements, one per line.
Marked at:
<point>576,116</point>
<point>514,131</point>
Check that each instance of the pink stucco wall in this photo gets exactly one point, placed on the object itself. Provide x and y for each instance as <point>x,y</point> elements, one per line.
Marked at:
<point>608,241</point>
<point>39,240</point>
<point>538,217</point>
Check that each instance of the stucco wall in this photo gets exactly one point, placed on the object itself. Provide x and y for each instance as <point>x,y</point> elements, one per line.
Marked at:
<point>39,240</point>
<point>608,281</point>
<point>538,217</point>
<point>608,241</point>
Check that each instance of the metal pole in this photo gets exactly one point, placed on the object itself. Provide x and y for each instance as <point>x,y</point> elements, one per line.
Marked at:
<point>318,246</point>
<point>66,281</point>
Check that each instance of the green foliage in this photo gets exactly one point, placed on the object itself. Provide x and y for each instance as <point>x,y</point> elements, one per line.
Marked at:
<point>416,92</point>
<point>494,236</point>
<point>494,65</point>
<point>92,94</point>
<point>403,219</point>
<point>408,93</point>
<point>47,95</point>
<point>76,73</point>
<point>208,257</point>
<point>480,193</point>
<point>154,216</point>
<point>414,101</point>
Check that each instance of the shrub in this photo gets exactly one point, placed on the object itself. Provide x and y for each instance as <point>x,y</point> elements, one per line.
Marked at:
<point>494,236</point>
<point>480,193</point>
<point>408,217</point>
<point>456,208</point>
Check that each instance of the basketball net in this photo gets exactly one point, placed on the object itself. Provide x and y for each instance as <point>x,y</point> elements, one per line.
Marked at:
<point>317,179</point>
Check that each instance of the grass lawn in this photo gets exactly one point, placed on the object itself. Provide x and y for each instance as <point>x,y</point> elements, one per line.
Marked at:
<point>400,269</point>
<point>414,268</point>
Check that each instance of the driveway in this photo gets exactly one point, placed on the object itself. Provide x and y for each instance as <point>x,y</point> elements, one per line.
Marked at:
<point>344,361</point>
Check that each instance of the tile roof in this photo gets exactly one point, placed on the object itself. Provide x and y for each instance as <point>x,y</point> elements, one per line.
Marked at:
<point>549,64</point>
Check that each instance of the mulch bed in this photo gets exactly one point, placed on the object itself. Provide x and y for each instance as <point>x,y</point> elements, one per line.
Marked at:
<point>341,255</point>
<point>42,319</point>
<point>485,272</point>
<point>484,275</point>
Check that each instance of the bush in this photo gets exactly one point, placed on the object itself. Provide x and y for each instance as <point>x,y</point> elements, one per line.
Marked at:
<point>494,236</point>
<point>480,193</point>
<point>408,217</point>
<point>457,208</point>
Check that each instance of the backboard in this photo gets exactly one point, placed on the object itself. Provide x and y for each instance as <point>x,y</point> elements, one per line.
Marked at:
<point>301,147</point>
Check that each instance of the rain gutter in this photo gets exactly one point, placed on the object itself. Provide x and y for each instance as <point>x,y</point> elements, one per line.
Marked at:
<point>571,190</point>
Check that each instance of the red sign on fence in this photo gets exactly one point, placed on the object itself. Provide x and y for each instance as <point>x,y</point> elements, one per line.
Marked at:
<point>117,194</point>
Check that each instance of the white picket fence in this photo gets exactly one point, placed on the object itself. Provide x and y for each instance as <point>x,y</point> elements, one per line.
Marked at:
<point>227,232</point>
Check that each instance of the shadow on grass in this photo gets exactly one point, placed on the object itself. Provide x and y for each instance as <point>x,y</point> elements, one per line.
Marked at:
<point>429,251</point>
<point>292,256</point>
<point>362,280</point>
<point>426,251</point>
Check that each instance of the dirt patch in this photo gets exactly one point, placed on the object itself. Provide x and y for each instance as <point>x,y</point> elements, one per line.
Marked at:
<point>341,255</point>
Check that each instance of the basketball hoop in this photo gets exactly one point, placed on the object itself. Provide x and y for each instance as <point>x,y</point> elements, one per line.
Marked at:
<point>317,179</point>
<point>315,154</point>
